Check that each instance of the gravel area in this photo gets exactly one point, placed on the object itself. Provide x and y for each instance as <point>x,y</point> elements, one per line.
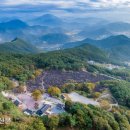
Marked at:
<point>75,97</point>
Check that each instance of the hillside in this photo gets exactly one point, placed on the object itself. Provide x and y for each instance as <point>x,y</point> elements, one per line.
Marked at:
<point>117,46</point>
<point>110,42</point>
<point>21,66</point>
<point>17,46</point>
<point>70,59</point>
<point>89,52</point>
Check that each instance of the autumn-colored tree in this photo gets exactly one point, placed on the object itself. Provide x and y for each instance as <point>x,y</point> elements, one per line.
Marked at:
<point>22,89</point>
<point>54,91</point>
<point>37,95</point>
<point>13,85</point>
<point>91,86</point>
<point>88,87</point>
<point>105,104</point>
<point>96,95</point>
<point>32,77</point>
<point>38,72</point>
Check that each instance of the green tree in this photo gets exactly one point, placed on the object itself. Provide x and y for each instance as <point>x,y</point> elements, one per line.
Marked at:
<point>68,105</point>
<point>38,125</point>
<point>53,122</point>
<point>6,106</point>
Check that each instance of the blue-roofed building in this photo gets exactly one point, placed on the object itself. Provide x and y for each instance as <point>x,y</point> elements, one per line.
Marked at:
<point>44,108</point>
<point>17,102</point>
<point>60,106</point>
<point>28,112</point>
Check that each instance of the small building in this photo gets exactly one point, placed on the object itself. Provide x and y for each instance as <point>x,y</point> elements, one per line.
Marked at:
<point>17,103</point>
<point>28,112</point>
<point>44,108</point>
<point>60,106</point>
<point>63,96</point>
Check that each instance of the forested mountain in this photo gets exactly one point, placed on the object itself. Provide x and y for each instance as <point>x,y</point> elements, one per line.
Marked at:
<point>71,59</point>
<point>18,46</point>
<point>85,52</point>
<point>110,42</point>
<point>117,46</point>
<point>89,52</point>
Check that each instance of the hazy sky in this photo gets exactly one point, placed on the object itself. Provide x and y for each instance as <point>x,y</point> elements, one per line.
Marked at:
<point>109,9</point>
<point>70,3</point>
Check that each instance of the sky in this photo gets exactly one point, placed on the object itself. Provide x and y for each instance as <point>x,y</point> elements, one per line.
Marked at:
<point>69,3</point>
<point>118,10</point>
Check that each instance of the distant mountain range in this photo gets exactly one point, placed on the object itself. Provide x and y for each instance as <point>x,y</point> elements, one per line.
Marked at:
<point>48,32</point>
<point>13,24</point>
<point>18,46</point>
<point>88,27</point>
<point>47,20</point>
<point>106,30</point>
<point>33,34</point>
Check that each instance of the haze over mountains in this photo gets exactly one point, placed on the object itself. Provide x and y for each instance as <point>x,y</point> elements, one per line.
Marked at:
<point>48,32</point>
<point>47,20</point>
